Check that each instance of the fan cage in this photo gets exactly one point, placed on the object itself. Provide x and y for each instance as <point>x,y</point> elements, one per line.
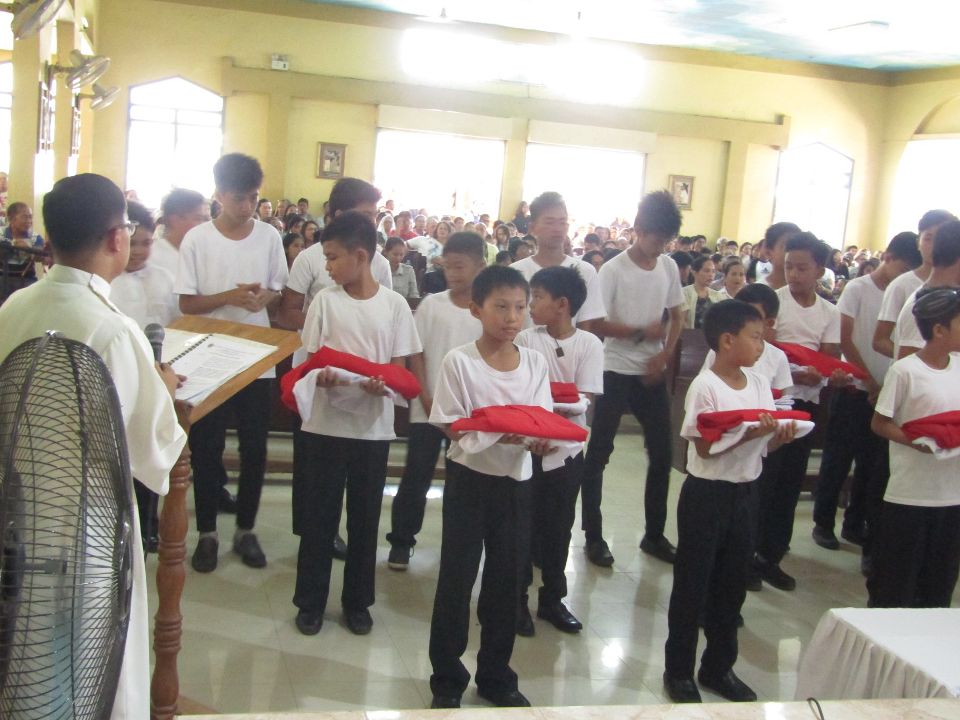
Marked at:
<point>65,531</point>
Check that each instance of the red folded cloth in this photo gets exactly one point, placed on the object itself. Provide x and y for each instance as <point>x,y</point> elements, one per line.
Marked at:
<point>526,420</point>
<point>564,392</point>
<point>712,425</point>
<point>777,394</point>
<point>394,377</point>
<point>823,363</point>
<point>943,427</point>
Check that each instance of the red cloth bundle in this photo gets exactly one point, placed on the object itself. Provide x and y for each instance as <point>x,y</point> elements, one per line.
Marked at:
<point>526,420</point>
<point>713,425</point>
<point>944,428</point>
<point>777,394</point>
<point>821,362</point>
<point>564,392</point>
<point>394,377</point>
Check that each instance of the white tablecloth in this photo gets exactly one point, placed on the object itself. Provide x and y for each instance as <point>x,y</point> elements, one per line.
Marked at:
<point>898,653</point>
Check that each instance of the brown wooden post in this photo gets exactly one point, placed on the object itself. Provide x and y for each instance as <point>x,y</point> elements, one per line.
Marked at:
<point>171,573</point>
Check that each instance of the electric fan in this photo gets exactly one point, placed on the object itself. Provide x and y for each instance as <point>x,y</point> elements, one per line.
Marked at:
<point>65,533</point>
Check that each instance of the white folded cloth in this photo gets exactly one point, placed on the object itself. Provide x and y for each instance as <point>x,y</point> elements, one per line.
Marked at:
<point>350,397</point>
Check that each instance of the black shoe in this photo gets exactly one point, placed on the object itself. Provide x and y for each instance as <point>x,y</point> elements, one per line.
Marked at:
<point>525,626</point>
<point>248,548</point>
<point>773,575</point>
<point>561,618</point>
<point>754,582</point>
<point>598,552</point>
<point>444,702</point>
<point>358,622</point>
<point>727,686</point>
<point>309,623</point>
<point>204,558</point>
<point>505,698</point>
<point>151,544</point>
<point>339,548</point>
<point>853,535</point>
<point>866,565</point>
<point>824,537</point>
<point>660,548</point>
<point>226,502</point>
<point>399,558</point>
<point>681,690</point>
<point>739,620</point>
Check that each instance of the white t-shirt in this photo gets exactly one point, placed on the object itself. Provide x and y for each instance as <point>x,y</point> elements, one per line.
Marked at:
<point>808,326</point>
<point>896,294</point>
<point>442,326</point>
<point>913,390</point>
<point>581,363</point>
<point>773,365</point>
<point>164,254</point>
<point>709,393</point>
<point>146,296</point>
<point>636,297</point>
<point>861,300</point>
<point>592,307</point>
<point>377,329</point>
<point>467,383</point>
<point>309,275</point>
<point>906,333</point>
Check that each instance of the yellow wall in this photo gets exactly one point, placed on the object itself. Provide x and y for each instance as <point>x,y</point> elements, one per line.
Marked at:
<point>345,63</point>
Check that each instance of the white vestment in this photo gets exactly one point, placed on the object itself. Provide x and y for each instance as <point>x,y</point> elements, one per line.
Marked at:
<point>77,304</point>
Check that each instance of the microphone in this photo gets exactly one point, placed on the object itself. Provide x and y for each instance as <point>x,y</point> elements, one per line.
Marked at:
<point>155,333</point>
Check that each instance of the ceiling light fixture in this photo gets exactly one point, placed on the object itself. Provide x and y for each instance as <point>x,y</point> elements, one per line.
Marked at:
<point>29,18</point>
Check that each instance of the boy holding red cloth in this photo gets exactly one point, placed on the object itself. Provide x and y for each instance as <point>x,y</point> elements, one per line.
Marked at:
<point>713,550</point>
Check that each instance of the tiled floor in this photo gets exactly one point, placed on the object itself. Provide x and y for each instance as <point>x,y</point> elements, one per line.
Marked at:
<point>241,651</point>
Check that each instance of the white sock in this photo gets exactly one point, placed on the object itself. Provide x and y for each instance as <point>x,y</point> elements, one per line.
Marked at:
<point>209,534</point>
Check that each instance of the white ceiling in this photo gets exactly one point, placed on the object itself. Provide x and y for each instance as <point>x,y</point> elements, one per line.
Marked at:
<point>875,34</point>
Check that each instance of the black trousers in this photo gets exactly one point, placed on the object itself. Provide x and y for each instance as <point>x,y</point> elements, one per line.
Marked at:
<point>650,404</point>
<point>850,442</point>
<point>329,465</point>
<point>481,514</point>
<point>548,525</point>
<point>916,557</point>
<point>406,514</point>
<point>709,575</point>
<point>147,509</point>
<point>251,407</point>
<point>780,484</point>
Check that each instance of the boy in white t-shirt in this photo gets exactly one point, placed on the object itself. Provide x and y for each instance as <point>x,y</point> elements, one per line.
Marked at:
<point>945,273</point>
<point>232,268</point>
<point>713,549</point>
<point>917,553</point>
<point>341,449</point>
<point>904,286</point>
<point>573,356</point>
<point>443,322</point>
<point>774,245</point>
<point>549,225</point>
<point>308,276</point>
<point>644,307</point>
<point>805,319</point>
<point>482,504</point>
<point>850,439</point>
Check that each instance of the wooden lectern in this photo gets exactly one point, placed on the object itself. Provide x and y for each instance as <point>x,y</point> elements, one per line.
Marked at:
<point>171,572</point>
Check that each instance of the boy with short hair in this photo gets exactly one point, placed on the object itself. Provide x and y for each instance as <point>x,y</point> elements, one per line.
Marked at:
<point>444,322</point>
<point>232,268</point>
<point>639,287</point>
<point>482,506</point>
<point>347,449</point>
<point>713,548</point>
<point>850,438</point>
<point>573,356</point>
<point>917,553</point>
<point>806,319</point>
<point>180,211</point>
<point>774,245</point>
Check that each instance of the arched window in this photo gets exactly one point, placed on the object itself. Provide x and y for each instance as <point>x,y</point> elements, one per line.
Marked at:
<point>813,191</point>
<point>175,137</point>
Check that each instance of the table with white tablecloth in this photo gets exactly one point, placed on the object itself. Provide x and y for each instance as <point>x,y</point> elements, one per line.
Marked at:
<point>883,653</point>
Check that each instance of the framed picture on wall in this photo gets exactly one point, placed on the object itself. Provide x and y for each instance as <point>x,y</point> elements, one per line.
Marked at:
<point>681,188</point>
<point>331,160</point>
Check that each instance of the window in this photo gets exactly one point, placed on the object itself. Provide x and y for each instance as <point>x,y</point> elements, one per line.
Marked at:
<point>813,191</point>
<point>175,137</point>
<point>6,103</point>
<point>446,174</point>
<point>599,185</point>
<point>926,180</point>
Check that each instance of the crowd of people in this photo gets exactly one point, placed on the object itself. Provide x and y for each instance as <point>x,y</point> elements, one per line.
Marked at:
<point>480,316</point>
